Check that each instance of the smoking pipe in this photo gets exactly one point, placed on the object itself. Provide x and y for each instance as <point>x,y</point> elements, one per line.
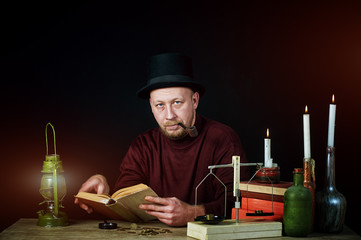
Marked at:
<point>192,130</point>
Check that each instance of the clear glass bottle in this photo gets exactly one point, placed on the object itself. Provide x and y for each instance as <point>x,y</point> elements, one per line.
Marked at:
<point>330,203</point>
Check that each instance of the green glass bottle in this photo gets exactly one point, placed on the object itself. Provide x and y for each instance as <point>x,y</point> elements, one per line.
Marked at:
<point>297,212</point>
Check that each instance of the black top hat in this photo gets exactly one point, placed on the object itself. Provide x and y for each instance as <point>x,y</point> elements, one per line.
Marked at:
<point>170,70</point>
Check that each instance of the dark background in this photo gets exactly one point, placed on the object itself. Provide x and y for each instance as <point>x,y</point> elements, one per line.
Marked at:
<point>79,65</point>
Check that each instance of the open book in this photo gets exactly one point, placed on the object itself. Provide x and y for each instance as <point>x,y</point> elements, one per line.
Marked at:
<point>122,205</point>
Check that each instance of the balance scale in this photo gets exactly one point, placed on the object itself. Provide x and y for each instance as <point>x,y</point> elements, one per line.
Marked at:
<point>212,227</point>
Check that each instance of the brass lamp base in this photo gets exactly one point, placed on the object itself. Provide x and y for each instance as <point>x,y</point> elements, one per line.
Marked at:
<point>47,219</point>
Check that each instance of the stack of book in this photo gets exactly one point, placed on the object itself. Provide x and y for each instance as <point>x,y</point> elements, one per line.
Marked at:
<point>261,200</point>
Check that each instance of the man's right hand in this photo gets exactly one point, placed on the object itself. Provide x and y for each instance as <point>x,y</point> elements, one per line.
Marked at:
<point>95,184</point>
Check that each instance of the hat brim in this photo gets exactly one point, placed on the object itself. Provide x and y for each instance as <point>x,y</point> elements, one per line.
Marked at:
<point>170,81</point>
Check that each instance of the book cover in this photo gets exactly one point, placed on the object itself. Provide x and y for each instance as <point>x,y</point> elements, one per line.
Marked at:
<point>250,205</point>
<point>243,215</point>
<point>263,196</point>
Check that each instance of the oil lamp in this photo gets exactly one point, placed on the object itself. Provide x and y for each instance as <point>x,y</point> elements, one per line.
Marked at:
<point>52,188</point>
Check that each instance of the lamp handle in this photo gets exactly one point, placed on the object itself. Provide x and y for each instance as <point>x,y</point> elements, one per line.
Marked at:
<point>46,137</point>
<point>55,177</point>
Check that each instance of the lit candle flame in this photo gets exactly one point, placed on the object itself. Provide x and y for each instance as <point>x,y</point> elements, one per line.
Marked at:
<point>306,109</point>
<point>267,133</point>
<point>333,98</point>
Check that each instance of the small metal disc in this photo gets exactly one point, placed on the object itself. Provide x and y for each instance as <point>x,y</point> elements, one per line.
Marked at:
<point>108,225</point>
<point>209,219</point>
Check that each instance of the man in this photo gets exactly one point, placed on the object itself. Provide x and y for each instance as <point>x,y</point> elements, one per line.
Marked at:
<point>171,160</point>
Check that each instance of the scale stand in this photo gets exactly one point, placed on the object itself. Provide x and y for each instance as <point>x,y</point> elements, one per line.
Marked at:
<point>216,227</point>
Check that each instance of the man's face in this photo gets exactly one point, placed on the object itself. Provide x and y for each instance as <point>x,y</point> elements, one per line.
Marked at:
<point>171,106</point>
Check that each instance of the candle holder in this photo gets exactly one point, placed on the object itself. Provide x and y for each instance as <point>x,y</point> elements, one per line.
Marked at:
<point>268,175</point>
<point>330,203</point>
<point>309,181</point>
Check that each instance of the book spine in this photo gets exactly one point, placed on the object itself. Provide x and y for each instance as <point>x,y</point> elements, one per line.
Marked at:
<point>263,196</point>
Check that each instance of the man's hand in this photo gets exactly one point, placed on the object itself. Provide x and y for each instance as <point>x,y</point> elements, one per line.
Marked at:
<point>171,211</point>
<point>95,184</point>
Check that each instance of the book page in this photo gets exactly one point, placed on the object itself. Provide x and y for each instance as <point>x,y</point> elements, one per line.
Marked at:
<point>101,198</point>
<point>100,207</point>
<point>107,206</point>
<point>124,204</point>
<point>129,190</point>
<point>133,200</point>
<point>278,189</point>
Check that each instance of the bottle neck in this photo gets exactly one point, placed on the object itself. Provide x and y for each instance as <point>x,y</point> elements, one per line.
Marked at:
<point>298,178</point>
<point>330,169</point>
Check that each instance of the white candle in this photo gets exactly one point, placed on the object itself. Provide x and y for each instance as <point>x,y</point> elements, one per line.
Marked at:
<point>331,123</point>
<point>306,134</point>
<point>267,151</point>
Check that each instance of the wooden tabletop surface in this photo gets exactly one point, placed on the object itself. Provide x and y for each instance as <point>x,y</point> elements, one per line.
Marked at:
<point>26,228</point>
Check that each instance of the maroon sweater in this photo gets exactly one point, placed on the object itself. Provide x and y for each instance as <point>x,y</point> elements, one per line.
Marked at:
<point>175,168</point>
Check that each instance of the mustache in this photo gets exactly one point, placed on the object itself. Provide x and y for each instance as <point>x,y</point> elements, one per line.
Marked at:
<point>171,123</point>
<point>192,130</point>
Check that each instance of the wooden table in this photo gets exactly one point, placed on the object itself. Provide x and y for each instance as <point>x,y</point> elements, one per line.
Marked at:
<point>26,228</point>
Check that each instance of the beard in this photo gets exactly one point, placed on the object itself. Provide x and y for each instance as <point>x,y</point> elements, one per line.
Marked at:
<point>174,135</point>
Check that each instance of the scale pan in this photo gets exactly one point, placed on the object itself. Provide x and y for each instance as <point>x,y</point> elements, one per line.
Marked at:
<point>209,220</point>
